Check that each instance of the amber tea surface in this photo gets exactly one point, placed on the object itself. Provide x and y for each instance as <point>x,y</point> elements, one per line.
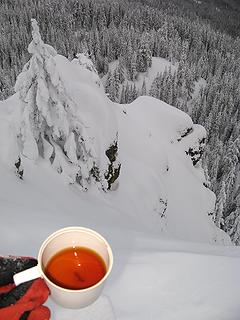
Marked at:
<point>75,268</point>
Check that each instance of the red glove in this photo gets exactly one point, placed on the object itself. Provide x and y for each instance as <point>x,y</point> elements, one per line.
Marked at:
<point>23,302</point>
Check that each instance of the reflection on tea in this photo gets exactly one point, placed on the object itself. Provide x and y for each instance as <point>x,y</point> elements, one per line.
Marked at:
<point>76,268</point>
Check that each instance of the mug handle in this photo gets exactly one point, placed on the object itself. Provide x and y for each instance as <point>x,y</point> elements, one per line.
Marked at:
<point>27,275</point>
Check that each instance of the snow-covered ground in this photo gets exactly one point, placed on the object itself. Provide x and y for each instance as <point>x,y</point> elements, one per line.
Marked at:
<point>154,277</point>
<point>170,260</point>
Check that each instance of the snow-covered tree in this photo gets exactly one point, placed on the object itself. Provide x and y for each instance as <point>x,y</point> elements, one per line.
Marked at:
<point>49,126</point>
<point>232,223</point>
<point>133,93</point>
<point>121,70</point>
<point>133,67</point>
<point>84,60</point>
<point>144,56</point>
<point>220,205</point>
<point>156,87</point>
<point>112,85</point>
<point>122,96</point>
<point>143,89</point>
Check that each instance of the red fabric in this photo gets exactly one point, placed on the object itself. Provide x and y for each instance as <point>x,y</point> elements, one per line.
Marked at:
<point>41,313</point>
<point>7,288</point>
<point>35,296</point>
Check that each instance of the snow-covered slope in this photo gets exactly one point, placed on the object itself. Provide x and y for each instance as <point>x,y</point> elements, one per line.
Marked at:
<point>153,140</point>
<point>158,203</point>
<point>153,276</point>
<point>158,184</point>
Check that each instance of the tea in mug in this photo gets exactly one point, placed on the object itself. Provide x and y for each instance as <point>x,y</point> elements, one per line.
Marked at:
<point>75,268</point>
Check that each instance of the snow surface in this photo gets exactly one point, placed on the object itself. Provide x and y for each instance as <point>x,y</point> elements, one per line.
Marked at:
<point>168,264</point>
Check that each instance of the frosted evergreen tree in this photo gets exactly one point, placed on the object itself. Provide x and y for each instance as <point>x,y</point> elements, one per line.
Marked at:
<point>133,67</point>
<point>169,88</point>
<point>156,87</point>
<point>163,83</point>
<point>213,161</point>
<point>133,93</point>
<point>84,60</point>
<point>48,125</point>
<point>108,82</point>
<point>232,224</point>
<point>105,65</point>
<point>143,89</point>
<point>129,59</point>
<point>190,82</point>
<point>174,89</point>
<point>121,70</point>
<point>122,96</point>
<point>116,84</point>
<point>112,85</point>
<point>236,229</point>
<point>182,105</point>
<point>33,91</point>
<point>144,56</point>
<point>5,85</point>
<point>127,93</point>
<point>229,171</point>
<point>220,205</point>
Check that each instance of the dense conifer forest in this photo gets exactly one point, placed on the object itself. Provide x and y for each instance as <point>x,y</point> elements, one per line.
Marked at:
<point>199,38</point>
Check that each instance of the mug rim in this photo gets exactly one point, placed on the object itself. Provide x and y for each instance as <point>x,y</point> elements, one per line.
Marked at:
<point>69,229</point>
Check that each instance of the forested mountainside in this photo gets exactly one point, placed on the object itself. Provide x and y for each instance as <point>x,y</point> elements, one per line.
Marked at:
<point>66,24</point>
<point>221,14</point>
<point>201,42</point>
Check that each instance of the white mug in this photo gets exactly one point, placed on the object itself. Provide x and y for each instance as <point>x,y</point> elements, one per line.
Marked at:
<point>62,239</point>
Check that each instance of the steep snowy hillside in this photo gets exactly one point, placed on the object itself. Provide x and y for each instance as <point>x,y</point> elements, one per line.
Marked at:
<point>154,139</point>
<point>156,215</point>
